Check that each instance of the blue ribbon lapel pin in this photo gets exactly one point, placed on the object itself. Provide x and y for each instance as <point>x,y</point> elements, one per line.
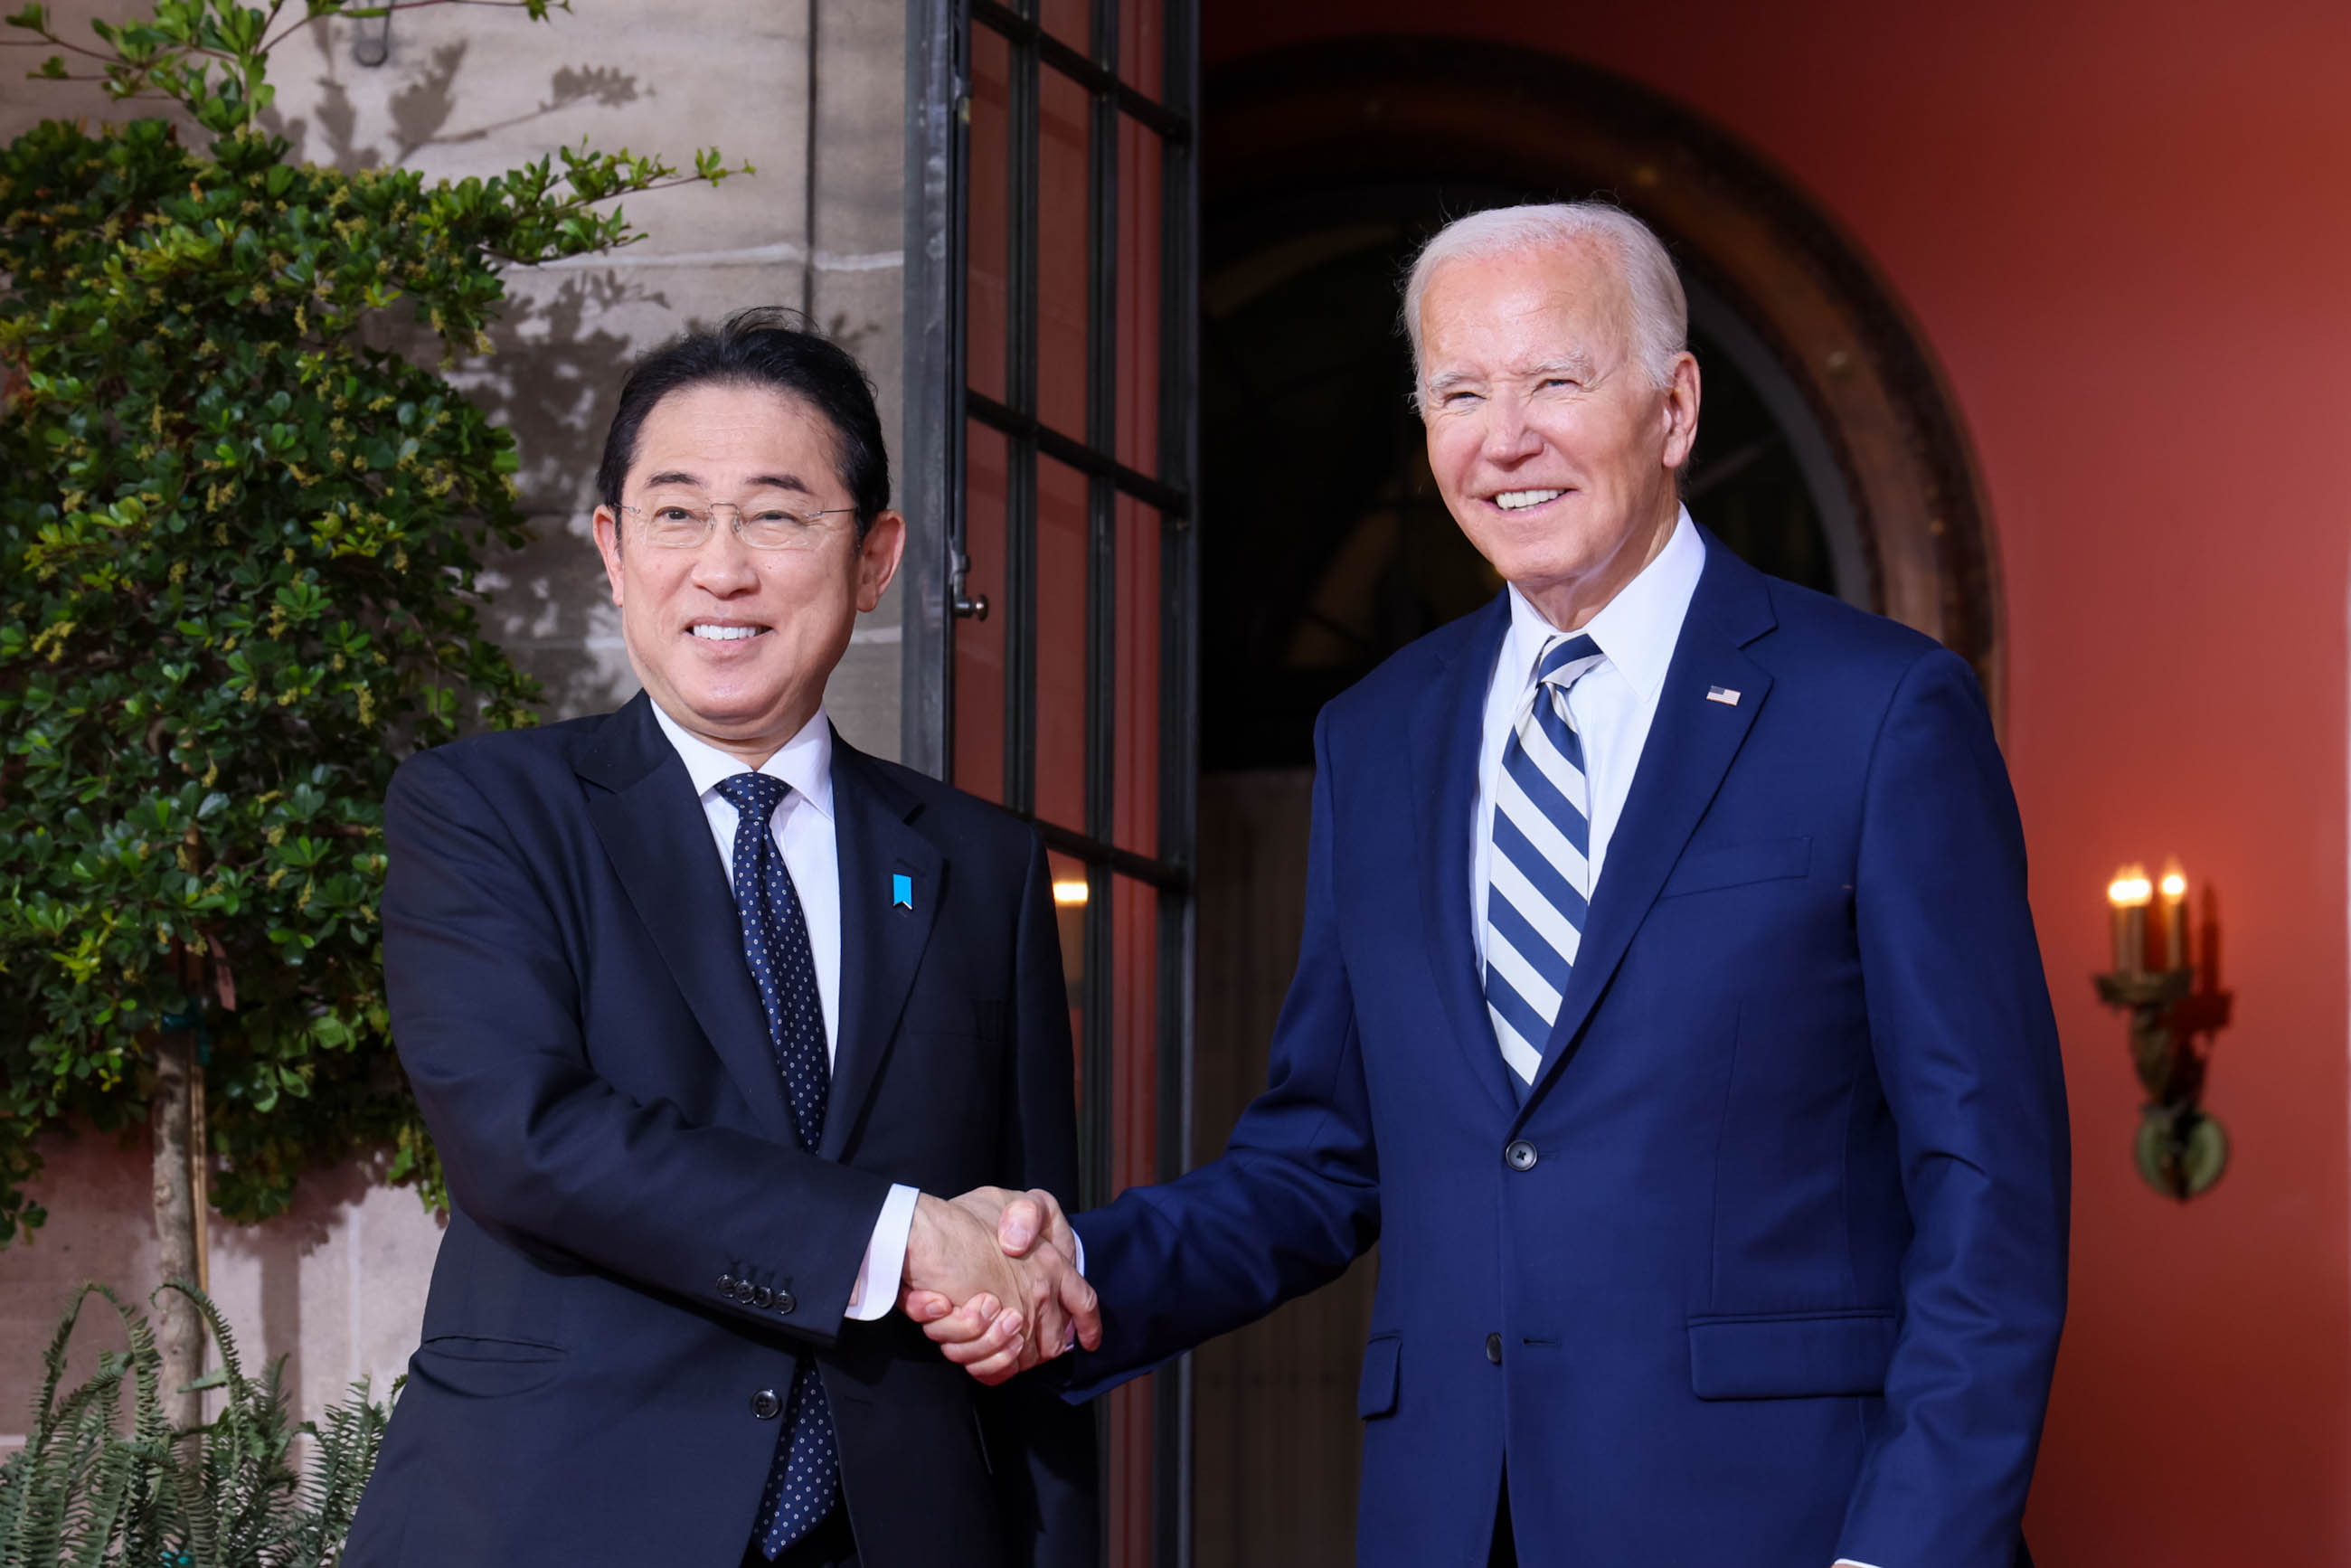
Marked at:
<point>902,890</point>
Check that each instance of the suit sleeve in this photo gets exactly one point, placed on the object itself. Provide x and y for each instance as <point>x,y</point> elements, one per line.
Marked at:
<point>485,1009</point>
<point>1042,1449</point>
<point>1966,1048</point>
<point>1292,1200</point>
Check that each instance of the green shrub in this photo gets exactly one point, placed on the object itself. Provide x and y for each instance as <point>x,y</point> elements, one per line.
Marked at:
<point>239,548</point>
<point>228,1494</point>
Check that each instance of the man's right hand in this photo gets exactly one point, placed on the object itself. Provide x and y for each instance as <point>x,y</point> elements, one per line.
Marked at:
<point>989,1277</point>
<point>978,1329</point>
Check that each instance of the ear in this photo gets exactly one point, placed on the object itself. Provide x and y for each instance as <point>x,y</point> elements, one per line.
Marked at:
<point>877,558</point>
<point>607,545</point>
<point>1682,400</point>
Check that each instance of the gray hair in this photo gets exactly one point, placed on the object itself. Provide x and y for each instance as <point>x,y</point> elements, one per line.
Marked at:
<point>1660,311</point>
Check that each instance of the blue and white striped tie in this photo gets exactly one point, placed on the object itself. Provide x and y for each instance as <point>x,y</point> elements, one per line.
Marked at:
<point>1540,880</point>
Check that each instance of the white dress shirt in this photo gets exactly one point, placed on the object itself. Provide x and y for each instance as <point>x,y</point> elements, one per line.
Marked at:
<point>1613,704</point>
<point>803,826</point>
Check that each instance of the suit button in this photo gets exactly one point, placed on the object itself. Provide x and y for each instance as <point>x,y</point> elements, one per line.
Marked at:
<point>726,1286</point>
<point>784,1302</point>
<point>765,1405</point>
<point>1520,1154</point>
<point>762,1297</point>
<point>1494,1348</point>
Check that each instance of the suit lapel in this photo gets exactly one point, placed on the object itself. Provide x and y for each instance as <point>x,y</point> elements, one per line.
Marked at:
<point>658,841</point>
<point>885,926</point>
<point>1690,746</point>
<point>1446,731</point>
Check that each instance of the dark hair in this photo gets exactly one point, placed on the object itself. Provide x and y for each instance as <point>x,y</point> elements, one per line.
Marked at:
<point>763,347</point>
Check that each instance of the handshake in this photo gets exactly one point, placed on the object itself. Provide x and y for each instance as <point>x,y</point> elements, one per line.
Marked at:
<point>992,1277</point>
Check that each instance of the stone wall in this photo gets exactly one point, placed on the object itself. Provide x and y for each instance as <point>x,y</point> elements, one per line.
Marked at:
<point>337,1286</point>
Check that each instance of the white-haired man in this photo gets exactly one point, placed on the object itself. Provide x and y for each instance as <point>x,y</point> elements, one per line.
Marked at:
<point>1668,1004</point>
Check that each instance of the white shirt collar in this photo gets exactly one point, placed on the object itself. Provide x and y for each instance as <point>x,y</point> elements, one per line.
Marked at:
<point>804,762</point>
<point>1638,628</point>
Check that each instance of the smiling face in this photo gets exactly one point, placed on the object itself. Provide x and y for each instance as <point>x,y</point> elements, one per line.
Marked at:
<point>1551,442</point>
<point>735,643</point>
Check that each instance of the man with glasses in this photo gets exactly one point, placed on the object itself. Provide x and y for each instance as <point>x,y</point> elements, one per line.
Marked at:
<point>703,1007</point>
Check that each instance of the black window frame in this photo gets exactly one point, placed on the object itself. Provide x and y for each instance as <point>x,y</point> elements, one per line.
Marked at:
<point>938,403</point>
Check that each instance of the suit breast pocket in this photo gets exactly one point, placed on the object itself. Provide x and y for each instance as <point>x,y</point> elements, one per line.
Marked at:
<point>1740,865</point>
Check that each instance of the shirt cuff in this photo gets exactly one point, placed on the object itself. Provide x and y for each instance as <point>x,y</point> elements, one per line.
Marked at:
<point>1849,1562</point>
<point>876,1290</point>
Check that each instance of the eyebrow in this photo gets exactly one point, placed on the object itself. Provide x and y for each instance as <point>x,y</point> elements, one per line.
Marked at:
<point>1575,365</point>
<point>757,482</point>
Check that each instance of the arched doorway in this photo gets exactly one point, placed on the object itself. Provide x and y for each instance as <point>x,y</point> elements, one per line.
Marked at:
<point>1827,455</point>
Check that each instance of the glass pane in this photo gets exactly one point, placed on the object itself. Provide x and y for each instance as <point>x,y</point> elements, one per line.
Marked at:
<point>1061,208</point>
<point>1135,748</point>
<point>1072,21</point>
<point>1138,295</point>
<point>1060,610</point>
<point>979,644</point>
<point>1133,1001</point>
<point>1135,1032</point>
<point>1069,918</point>
<point>1141,44</point>
<point>988,236</point>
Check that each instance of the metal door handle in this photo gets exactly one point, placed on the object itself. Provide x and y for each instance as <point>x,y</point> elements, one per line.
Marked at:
<point>973,608</point>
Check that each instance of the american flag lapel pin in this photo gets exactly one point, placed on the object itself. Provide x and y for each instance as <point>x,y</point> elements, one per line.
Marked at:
<point>1722,694</point>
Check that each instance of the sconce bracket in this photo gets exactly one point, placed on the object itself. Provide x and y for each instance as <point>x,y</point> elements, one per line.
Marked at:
<point>2180,1150</point>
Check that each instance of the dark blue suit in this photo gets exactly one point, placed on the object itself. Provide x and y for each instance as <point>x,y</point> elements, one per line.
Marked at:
<point>637,1252</point>
<point>1770,1267</point>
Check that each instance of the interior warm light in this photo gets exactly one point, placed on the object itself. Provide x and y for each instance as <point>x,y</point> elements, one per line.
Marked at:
<point>2175,882</point>
<point>1068,892</point>
<point>2131,889</point>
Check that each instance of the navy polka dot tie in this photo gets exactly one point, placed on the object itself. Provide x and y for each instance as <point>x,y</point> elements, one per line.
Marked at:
<point>807,1470</point>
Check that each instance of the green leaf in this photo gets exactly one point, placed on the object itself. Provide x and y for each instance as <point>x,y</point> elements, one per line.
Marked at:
<point>225,616</point>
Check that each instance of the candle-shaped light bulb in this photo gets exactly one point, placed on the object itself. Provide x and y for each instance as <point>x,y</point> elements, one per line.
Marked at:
<point>2174,887</point>
<point>2127,896</point>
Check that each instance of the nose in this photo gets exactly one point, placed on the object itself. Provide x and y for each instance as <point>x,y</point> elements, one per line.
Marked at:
<point>723,565</point>
<point>1510,438</point>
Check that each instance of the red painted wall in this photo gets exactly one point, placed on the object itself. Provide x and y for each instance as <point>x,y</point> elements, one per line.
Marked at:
<point>2124,227</point>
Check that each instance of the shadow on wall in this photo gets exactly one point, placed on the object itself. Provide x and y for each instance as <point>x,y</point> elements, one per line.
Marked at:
<point>422,107</point>
<point>317,1257</point>
<point>550,376</point>
<point>567,333</point>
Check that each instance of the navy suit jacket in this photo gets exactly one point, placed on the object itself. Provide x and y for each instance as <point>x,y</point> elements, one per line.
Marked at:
<point>636,1249</point>
<point>1769,1268</point>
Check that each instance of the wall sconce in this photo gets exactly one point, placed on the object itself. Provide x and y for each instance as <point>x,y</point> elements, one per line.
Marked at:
<point>2181,1150</point>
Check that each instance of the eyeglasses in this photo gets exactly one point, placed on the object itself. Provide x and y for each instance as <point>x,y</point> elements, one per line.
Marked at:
<point>686,525</point>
